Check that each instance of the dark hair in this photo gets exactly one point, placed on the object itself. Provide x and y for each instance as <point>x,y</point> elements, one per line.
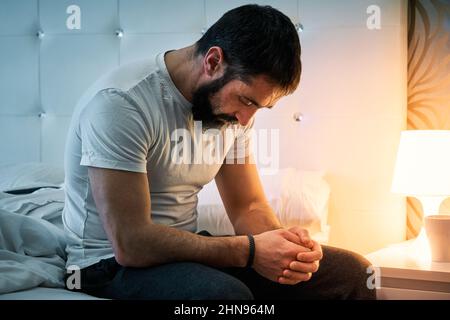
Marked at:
<point>257,40</point>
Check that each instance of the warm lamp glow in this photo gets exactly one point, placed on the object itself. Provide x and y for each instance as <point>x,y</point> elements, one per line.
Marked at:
<point>422,169</point>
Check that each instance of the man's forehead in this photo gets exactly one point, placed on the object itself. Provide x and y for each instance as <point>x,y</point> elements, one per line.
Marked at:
<point>260,88</point>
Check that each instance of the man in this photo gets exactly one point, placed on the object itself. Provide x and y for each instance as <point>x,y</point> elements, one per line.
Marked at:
<point>130,211</point>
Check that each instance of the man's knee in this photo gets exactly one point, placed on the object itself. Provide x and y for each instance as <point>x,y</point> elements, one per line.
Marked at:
<point>354,271</point>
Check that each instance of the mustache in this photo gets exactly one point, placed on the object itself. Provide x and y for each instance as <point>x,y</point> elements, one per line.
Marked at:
<point>226,118</point>
<point>202,110</point>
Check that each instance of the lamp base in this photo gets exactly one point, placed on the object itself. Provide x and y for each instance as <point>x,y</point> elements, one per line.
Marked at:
<point>431,204</point>
<point>437,229</point>
<point>419,249</point>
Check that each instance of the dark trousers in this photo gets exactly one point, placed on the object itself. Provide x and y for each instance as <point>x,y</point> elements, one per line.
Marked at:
<point>342,275</point>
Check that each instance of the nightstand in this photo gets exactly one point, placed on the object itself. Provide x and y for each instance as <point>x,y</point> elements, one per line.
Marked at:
<point>405,275</point>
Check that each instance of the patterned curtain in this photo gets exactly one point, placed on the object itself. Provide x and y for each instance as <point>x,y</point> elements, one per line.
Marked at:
<point>428,80</point>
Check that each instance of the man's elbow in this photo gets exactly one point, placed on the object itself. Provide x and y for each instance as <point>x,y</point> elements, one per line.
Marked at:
<point>122,252</point>
<point>128,253</point>
<point>124,258</point>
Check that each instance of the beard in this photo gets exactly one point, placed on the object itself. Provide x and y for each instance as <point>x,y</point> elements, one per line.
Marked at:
<point>202,109</point>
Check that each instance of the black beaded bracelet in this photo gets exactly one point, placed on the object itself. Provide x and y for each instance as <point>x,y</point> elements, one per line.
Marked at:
<point>251,255</point>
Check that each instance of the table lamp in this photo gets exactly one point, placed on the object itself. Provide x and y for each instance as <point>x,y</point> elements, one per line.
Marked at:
<point>422,169</point>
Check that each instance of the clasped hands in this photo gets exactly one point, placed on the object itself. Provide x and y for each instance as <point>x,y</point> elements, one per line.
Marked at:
<point>286,256</point>
<point>307,261</point>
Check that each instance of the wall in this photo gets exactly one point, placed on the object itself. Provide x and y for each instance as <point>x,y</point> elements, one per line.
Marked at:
<point>352,95</point>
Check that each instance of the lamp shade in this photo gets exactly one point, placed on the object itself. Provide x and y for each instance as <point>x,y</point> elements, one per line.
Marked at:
<point>423,163</point>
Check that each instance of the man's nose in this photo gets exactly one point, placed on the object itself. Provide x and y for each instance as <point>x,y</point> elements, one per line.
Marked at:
<point>245,115</point>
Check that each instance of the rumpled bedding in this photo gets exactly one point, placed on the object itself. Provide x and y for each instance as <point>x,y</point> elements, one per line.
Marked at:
<point>32,241</point>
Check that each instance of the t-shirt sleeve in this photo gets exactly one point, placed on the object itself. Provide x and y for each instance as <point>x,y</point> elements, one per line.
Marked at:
<point>114,133</point>
<point>243,144</point>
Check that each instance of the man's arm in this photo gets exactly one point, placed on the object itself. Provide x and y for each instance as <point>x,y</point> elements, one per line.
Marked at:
<point>244,199</point>
<point>250,213</point>
<point>123,201</point>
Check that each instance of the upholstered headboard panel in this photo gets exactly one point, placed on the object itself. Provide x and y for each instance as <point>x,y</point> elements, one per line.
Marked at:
<point>42,76</point>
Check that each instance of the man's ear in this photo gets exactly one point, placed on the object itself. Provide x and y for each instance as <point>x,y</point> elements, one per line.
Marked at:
<point>213,62</point>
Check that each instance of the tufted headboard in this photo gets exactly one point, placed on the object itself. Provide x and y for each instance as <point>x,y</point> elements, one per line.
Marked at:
<point>46,62</point>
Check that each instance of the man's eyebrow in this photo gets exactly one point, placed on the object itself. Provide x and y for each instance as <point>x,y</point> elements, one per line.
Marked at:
<point>257,104</point>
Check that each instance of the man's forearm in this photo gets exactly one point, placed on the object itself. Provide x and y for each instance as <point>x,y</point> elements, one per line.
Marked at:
<point>259,218</point>
<point>155,244</point>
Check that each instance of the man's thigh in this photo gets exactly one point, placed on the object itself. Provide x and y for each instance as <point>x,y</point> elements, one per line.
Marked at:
<point>174,281</point>
<point>342,275</point>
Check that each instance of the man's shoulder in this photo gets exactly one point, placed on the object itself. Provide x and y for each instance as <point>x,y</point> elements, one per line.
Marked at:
<point>127,75</point>
<point>120,79</point>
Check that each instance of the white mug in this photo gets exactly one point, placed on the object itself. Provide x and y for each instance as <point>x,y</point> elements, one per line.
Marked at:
<point>438,233</point>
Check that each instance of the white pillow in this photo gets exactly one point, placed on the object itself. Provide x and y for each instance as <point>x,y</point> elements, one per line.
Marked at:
<point>297,197</point>
<point>30,175</point>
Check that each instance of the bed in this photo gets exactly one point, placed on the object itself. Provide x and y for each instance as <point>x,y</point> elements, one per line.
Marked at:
<point>32,239</point>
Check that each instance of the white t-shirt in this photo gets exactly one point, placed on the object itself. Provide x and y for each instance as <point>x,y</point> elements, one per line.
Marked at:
<point>135,119</point>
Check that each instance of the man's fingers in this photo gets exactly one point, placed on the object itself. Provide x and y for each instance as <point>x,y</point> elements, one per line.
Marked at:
<point>295,240</point>
<point>292,237</point>
<point>309,256</point>
<point>290,277</point>
<point>313,255</point>
<point>283,280</point>
<point>304,267</point>
<point>304,236</point>
<point>317,247</point>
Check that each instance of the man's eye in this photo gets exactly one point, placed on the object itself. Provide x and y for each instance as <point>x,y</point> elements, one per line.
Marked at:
<point>248,103</point>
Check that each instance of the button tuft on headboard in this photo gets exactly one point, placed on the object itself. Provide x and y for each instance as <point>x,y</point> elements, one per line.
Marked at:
<point>119,33</point>
<point>299,27</point>
<point>40,34</point>
<point>298,116</point>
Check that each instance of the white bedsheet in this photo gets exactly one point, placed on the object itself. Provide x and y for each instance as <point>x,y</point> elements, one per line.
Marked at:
<point>45,203</point>
<point>32,253</point>
<point>32,247</point>
<point>32,241</point>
